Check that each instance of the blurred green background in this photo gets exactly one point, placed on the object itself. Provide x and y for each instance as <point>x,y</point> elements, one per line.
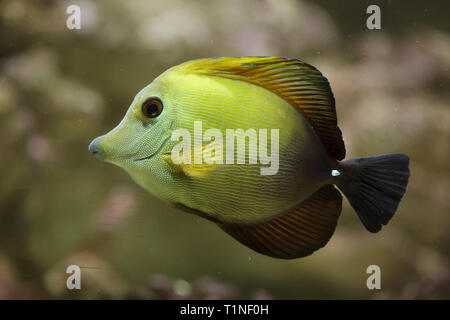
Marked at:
<point>60,88</point>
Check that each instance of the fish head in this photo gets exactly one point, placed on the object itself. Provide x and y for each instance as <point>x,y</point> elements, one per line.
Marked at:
<point>142,134</point>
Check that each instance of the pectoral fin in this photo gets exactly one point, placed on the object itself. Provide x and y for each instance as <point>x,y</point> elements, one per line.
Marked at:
<point>296,234</point>
<point>210,156</point>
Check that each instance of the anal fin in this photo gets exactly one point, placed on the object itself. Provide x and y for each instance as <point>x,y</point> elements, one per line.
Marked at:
<point>296,234</point>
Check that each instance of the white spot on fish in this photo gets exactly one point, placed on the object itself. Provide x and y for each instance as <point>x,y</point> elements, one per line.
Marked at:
<point>335,173</point>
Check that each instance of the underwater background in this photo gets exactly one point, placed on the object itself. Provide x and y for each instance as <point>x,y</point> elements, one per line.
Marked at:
<point>60,88</point>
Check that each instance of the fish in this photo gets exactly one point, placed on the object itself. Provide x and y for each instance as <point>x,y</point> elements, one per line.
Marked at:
<point>285,204</point>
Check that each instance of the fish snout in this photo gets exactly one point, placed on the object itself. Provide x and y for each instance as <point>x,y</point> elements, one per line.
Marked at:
<point>95,149</point>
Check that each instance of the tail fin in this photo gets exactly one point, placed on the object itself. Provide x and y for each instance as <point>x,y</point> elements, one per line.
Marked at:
<point>374,187</point>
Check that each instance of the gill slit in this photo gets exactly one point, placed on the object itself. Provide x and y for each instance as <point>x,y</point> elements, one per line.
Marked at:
<point>161,146</point>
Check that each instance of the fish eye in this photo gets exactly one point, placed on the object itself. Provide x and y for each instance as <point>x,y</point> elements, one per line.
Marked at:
<point>152,107</point>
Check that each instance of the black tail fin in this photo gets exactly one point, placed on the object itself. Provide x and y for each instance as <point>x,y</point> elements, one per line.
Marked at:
<point>374,187</point>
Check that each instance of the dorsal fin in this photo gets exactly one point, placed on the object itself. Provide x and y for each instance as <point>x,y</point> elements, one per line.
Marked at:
<point>299,83</point>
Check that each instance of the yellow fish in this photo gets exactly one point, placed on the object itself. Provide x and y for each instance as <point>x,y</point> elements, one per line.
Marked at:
<point>253,145</point>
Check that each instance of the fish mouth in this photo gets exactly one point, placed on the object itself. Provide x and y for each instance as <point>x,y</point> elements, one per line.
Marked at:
<point>154,153</point>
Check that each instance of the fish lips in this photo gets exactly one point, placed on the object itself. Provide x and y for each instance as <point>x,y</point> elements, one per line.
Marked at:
<point>95,149</point>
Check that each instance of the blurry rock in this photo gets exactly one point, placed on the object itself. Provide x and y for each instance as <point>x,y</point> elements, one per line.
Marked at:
<point>208,288</point>
<point>261,294</point>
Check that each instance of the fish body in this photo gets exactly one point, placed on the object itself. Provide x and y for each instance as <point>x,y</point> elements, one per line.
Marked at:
<point>286,207</point>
